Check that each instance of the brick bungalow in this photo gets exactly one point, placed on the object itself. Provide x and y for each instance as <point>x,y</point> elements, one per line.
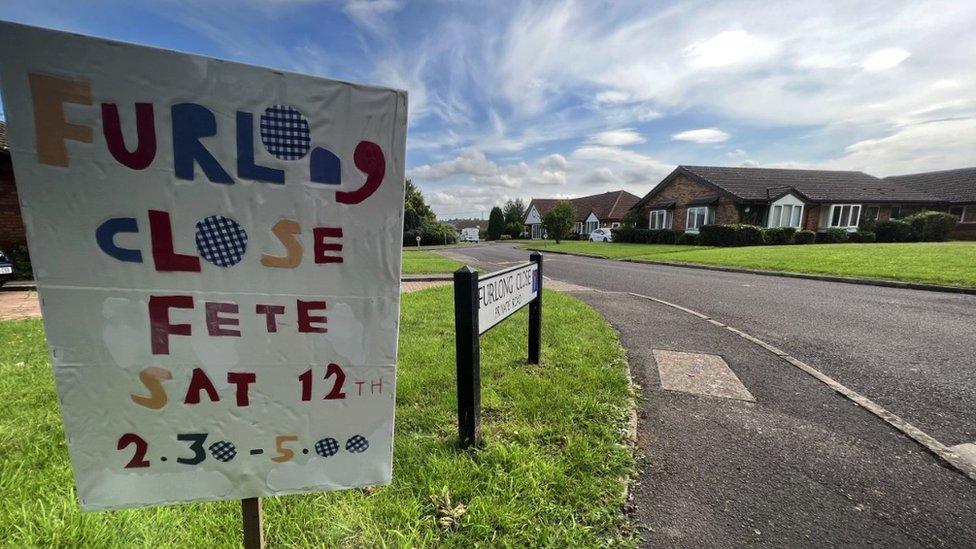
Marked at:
<point>11,225</point>
<point>592,212</point>
<point>816,200</point>
<point>957,187</point>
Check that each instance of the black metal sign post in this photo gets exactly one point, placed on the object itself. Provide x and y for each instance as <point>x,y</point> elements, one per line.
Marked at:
<point>467,340</point>
<point>468,356</point>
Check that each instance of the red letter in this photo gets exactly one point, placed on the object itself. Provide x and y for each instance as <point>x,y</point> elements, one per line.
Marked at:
<point>320,234</point>
<point>269,312</point>
<point>199,382</point>
<point>166,259</point>
<point>305,321</point>
<point>160,328</point>
<point>145,131</point>
<point>216,323</point>
<point>368,157</point>
<point>242,380</point>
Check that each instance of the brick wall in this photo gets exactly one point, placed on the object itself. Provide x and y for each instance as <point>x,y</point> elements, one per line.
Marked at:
<point>682,190</point>
<point>967,229</point>
<point>11,225</point>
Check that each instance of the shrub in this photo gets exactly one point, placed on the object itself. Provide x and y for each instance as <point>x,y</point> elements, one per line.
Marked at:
<point>867,224</point>
<point>804,237</point>
<point>689,239</point>
<point>623,234</point>
<point>931,226</point>
<point>717,235</point>
<point>780,235</point>
<point>431,233</point>
<point>642,236</point>
<point>669,236</point>
<point>862,236</point>
<point>832,236</point>
<point>748,235</point>
<point>894,230</point>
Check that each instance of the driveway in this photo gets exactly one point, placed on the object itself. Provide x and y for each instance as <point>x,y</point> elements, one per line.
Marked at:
<point>800,465</point>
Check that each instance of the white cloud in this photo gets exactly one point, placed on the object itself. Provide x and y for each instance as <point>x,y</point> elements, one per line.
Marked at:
<point>727,48</point>
<point>372,15</point>
<point>702,136</point>
<point>931,146</point>
<point>884,59</point>
<point>617,138</point>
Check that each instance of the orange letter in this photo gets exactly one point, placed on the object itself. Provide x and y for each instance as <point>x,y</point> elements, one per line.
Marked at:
<point>152,378</point>
<point>48,94</point>
<point>285,230</point>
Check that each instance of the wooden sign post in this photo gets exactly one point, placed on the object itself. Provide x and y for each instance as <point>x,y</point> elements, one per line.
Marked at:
<point>252,513</point>
<point>480,304</point>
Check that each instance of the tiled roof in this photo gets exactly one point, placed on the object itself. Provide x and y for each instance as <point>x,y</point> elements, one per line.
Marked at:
<point>763,184</point>
<point>957,186</point>
<point>607,206</point>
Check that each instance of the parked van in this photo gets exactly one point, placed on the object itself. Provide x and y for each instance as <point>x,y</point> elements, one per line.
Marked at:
<point>469,235</point>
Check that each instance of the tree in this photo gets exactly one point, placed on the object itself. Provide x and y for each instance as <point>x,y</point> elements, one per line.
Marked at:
<point>514,212</point>
<point>559,220</point>
<point>496,223</point>
<point>631,219</point>
<point>415,208</point>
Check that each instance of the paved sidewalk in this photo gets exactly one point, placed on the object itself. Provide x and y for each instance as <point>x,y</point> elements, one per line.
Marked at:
<point>19,304</point>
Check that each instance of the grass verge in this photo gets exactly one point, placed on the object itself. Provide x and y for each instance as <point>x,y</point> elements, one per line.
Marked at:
<point>420,262</point>
<point>948,263</point>
<point>548,475</point>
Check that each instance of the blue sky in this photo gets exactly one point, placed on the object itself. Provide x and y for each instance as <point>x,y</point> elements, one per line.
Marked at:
<point>523,99</point>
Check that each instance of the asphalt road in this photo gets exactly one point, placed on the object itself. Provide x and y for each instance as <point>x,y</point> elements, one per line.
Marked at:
<point>801,466</point>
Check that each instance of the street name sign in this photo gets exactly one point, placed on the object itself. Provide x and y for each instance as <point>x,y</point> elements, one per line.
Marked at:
<point>503,292</point>
<point>217,251</point>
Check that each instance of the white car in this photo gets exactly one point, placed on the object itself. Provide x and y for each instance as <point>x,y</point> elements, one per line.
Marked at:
<point>601,235</point>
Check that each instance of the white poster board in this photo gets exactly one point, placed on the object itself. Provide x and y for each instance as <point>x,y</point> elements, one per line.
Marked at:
<point>503,292</point>
<point>217,251</point>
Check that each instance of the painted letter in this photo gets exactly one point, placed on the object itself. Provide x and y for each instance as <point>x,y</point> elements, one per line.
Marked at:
<point>200,382</point>
<point>246,168</point>
<point>285,230</point>
<point>243,380</point>
<point>105,237</point>
<point>319,234</point>
<point>216,323</point>
<point>152,377</point>
<point>161,234</point>
<point>270,312</point>
<point>369,159</point>
<point>190,123</point>
<point>49,93</point>
<point>145,132</point>
<point>305,321</point>
<point>160,328</point>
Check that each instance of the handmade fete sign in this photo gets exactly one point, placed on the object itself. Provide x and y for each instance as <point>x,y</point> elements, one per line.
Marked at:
<point>217,252</point>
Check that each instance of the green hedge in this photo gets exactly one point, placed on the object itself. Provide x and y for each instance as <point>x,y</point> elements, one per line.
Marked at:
<point>893,230</point>
<point>804,237</point>
<point>931,226</point>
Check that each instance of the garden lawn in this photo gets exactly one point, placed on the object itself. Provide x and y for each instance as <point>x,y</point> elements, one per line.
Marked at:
<point>948,263</point>
<point>548,475</point>
<point>420,262</point>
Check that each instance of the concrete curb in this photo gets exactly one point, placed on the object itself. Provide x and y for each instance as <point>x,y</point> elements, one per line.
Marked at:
<point>436,277</point>
<point>19,286</point>
<point>824,278</point>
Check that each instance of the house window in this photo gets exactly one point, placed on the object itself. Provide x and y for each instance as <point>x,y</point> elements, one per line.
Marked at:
<point>614,225</point>
<point>895,212</point>
<point>578,227</point>
<point>872,212</point>
<point>958,211</point>
<point>660,219</point>
<point>697,217</point>
<point>844,216</point>
<point>787,215</point>
<point>592,226</point>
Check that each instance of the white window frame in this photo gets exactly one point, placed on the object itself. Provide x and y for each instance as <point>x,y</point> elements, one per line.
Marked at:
<point>787,211</point>
<point>592,226</point>
<point>962,214</point>
<point>848,216</point>
<point>696,211</point>
<point>578,227</point>
<point>664,217</point>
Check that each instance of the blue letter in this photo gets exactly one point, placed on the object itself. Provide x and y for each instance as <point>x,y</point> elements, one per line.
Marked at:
<point>324,167</point>
<point>246,168</point>
<point>105,236</point>
<point>190,123</point>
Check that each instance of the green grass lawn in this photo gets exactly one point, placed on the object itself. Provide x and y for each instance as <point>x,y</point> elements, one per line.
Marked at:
<point>952,263</point>
<point>548,474</point>
<point>420,262</point>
